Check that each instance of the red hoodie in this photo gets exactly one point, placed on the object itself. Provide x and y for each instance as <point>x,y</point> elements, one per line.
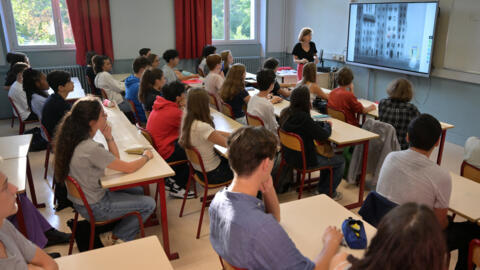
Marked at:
<point>164,125</point>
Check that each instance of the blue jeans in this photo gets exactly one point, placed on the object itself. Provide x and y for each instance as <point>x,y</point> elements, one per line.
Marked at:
<point>118,203</point>
<point>338,164</point>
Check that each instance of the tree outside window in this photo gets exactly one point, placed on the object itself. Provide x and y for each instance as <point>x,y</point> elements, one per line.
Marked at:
<point>233,20</point>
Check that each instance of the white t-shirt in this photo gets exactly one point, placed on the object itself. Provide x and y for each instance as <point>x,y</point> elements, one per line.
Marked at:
<point>169,74</point>
<point>38,102</point>
<point>112,87</point>
<point>203,64</point>
<point>199,133</point>
<point>263,108</point>
<point>408,176</point>
<point>213,83</point>
<point>472,151</point>
<point>19,98</point>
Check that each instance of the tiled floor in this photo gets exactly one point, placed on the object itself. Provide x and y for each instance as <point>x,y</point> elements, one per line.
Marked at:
<point>194,254</point>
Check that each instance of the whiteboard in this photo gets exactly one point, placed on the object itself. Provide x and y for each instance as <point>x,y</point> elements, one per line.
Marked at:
<point>463,39</point>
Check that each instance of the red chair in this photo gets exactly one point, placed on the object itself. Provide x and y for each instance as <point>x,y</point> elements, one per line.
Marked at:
<point>104,94</point>
<point>469,171</point>
<point>75,190</point>
<point>294,142</point>
<point>227,110</point>
<point>21,129</point>
<point>93,89</point>
<point>213,101</point>
<point>194,158</point>
<point>228,266</point>
<point>474,253</point>
<point>253,120</point>
<point>337,114</point>
<point>47,153</point>
<point>135,112</point>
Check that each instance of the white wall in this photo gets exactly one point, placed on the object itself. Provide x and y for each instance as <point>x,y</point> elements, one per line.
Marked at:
<point>145,23</point>
<point>275,26</point>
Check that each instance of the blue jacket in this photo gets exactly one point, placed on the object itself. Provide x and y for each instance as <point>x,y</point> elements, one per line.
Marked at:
<point>132,85</point>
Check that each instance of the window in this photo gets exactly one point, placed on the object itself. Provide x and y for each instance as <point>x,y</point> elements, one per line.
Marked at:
<point>37,24</point>
<point>234,21</point>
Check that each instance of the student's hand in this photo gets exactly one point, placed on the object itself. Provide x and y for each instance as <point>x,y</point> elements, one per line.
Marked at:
<point>371,108</point>
<point>276,99</point>
<point>330,123</point>
<point>148,153</point>
<point>332,236</point>
<point>107,131</point>
<point>316,61</point>
<point>267,185</point>
<point>304,61</point>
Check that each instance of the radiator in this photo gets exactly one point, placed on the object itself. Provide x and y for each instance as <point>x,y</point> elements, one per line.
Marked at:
<point>252,63</point>
<point>74,70</point>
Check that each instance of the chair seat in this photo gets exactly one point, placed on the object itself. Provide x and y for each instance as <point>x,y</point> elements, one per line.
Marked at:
<point>201,182</point>
<point>178,162</point>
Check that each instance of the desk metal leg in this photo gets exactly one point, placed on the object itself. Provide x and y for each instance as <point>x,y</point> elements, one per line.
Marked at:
<point>440,148</point>
<point>163,213</point>
<point>362,178</point>
<point>20,218</point>
<point>32,186</point>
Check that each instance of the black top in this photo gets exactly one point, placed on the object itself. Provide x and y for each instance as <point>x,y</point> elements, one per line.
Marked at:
<point>302,124</point>
<point>276,88</point>
<point>10,78</point>
<point>54,109</point>
<point>237,103</point>
<point>91,75</point>
<point>300,53</point>
<point>150,99</point>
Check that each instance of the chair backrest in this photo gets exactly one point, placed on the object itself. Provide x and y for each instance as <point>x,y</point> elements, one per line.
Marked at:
<point>15,109</point>
<point>227,110</point>
<point>375,207</point>
<point>255,121</point>
<point>337,114</point>
<point>469,171</point>
<point>74,189</point>
<point>134,110</point>
<point>90,84</point>
<point>104,94</point>
<point>474,253</point>
<point>213,101</point>
<point>194,157</point>
<point>45,131</point>
<point>293,142</point>
<point>227,266</point>
<point>147,135</point>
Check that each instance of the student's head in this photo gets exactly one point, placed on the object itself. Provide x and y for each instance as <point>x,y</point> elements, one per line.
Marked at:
<point>15,57</point>
<point>400,89</point>
<point>251,151</point>
<point>101,63</point>
<point>271,63</point>
<point>175,92</point>
<point>299,101</point>
<point>144,51</point>
<point>227,57</point>
<point>8,195</point>
<point>60,81</point>
<point>171,55</point>
<point>207,50</point>
<point>408,237</point>
<point>305,34</point>
<point>17,70</point>
<point>34,82</point>
<point>89,56</point>
<point>309,73</point>
<point>151,80</point>
<point>197,108</point>
<point>424,132</point>
<point>265,79</point>
<point>214,60</point>
<point>344,76</point>
<point>140,64</point>
<point>81,122</point>
<point>234,82</point>
<point>154,60</point>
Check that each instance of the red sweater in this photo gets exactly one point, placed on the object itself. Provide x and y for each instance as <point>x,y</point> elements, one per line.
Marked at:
<point>344,100</point>
<point>164,125</point>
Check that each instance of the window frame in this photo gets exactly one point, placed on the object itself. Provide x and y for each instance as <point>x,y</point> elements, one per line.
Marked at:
<point>226,26</point>
<point>10,31</point>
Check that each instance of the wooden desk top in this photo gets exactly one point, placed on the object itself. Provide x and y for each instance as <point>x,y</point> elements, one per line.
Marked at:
<point>15,169</point>
<point>465,197</point>
<point>15,146</point>
<point>121,76</point>
<point>223,123</point>
<point>127,136</point>
<point>77,92</point>
<point>144,253</point>
<point>305,222</point>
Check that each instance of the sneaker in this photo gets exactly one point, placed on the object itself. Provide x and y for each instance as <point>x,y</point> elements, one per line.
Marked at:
<point>118,241</point>
<point>337,196</point>
<point>56,237</point>
<point>107,239</point>
<point>169,182</point>
<point>179,193</point>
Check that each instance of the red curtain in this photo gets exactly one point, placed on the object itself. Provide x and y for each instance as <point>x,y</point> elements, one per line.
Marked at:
<point>193,26</point>
<point>91,28</point>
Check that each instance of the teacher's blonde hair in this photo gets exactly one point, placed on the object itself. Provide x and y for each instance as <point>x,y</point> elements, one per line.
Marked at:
<point>304,32</point>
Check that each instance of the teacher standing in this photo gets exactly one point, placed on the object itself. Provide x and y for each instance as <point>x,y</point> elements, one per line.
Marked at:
<point>304,51</point>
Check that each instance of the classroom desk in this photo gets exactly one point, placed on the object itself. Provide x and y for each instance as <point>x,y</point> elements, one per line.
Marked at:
<point>121,76</point>
<point>465,197</point>
<point>77,92</point>
<point>154,172</point>
<point>13,147</point>
<point>144,253</point>
<point>445,126</point>
<point>15,169</point>
<point>305,222</point>
<point>194,84</point>
<point>223,123</point>
<point>251,79</point>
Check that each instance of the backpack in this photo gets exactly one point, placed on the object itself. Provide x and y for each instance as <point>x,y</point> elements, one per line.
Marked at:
<point>38,142</point>
<point>82,234</point>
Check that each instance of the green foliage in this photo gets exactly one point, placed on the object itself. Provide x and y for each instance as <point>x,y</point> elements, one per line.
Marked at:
<point>218,12</point>
<point>240,15</point>
<point>34,22</point>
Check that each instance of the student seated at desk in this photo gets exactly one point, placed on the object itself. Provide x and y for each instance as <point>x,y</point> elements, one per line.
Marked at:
<point>261,105</point>
<point>79,156</point>
<point>151,85</point>
<point>233,92</point>
<point>13,58</point>
<point>132,83</point>
<point>203,68</point>
<point>35,85</point>
<point>113,88</point>
<point>410,176</point>
<point>296,118</point>
<point>408,237</point>
<point>56,106</point>
<point>90,72</point>
<point>227,61</point>
<point>214,80</point>
<point>278,89</point>
<point>310,80</point>
<point>164,125</point>
<point>472,151</point>
<point>171,58</point>
<point>154,60</point>
<point>245,231</point>
<point>343,99</point>
<point>198,131</point>
<point>397,109</point>
<point>18,96</point>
